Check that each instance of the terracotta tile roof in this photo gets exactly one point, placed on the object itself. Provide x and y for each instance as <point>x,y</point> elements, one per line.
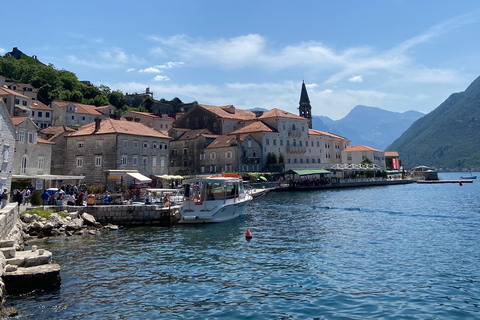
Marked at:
<point>144,114</point>
<point>79,108</point>
<point>37,105</point>
<point>277,113</point>
<point>360,148</point>
<point>222,142</point>
<point>223,112</point>
<point>323,133</point>
<point>257,126</point>
<point>112,126</point>
<point>192,134</point>
<point>392,154</point>
<point>21,86</point>
<point>4,91</point>
<point>41,140</point>
<point>55,131</point>
<point>17,120</point>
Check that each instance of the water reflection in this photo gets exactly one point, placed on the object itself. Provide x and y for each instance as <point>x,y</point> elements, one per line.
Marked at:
<point>390,252</point>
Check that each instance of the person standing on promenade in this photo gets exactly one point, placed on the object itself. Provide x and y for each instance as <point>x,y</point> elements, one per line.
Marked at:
<point>148,197</point>
<point>26,196</point>
<point>45,197</point>
<point>71,199</point>
<point>81,197</point>
<point>19,197</point>
<point>107,198</point>
<point>4,198</point>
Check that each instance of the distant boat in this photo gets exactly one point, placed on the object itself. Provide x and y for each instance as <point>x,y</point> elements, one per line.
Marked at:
<point>467,177</point>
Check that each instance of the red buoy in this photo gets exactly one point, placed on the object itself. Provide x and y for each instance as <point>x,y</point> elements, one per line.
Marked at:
<point>248,235</point>
<point>460,183</point>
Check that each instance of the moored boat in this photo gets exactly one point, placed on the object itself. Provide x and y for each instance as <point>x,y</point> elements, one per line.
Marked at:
<point>213,199</point>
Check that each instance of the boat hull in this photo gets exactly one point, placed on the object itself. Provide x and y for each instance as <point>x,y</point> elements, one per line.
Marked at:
<point>211,211</point>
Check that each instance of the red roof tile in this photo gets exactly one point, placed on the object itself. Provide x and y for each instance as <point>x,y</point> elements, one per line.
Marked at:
<point>109,126</point>
<point>392,154</point>
<point>54,131</point>
<point>223,112</point>
<point>37,105</point>
<point>79,108</point>
<point>17,120</point>
<point>4,91</point>
<point>192,134</point>
<point>360,148</point>
<point>257,126</point>
<point>320,133</point>
<point>277,113</point>
<point>221,142</point>
<point>41,140</point>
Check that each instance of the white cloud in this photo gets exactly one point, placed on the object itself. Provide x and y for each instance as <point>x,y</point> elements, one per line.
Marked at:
<point>110,58</point>
<point>150,70</point>
<point>356,79</point>
<point>2,51</point>
<point>161,78</point>
<point>130,69</point>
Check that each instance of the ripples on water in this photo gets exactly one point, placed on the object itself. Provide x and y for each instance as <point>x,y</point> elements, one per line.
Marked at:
<point>384,252</point>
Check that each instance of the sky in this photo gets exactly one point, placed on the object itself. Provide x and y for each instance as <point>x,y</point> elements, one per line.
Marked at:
<point>395,55</point>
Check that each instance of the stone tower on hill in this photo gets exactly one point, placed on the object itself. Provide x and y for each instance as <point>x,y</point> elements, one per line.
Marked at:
<point>305,109</point>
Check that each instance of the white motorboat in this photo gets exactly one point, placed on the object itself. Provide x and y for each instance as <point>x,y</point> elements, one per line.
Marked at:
<point>213,199</point>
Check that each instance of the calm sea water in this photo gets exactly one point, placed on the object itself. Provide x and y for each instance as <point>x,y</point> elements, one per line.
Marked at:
<point>396,252</point>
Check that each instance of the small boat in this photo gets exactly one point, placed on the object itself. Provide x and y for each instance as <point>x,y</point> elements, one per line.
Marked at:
<point>468,177</point>
<point>213,199</point>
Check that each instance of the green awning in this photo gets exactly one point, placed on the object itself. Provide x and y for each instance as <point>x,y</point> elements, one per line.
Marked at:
<point>305,172</point>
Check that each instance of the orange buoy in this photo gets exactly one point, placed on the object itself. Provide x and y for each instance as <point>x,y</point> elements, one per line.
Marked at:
<point>248,235</point>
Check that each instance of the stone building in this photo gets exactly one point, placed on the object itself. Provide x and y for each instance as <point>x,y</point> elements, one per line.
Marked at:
<point>159,122</point>
<point>18,105</point>
<point>116,145</point>
<point>33,155</point>
<point>7,147</point>
<point>200,152</point>
<point>56,134</point>
<point>218,120</point>
<point>357,154</point>
<point>40,114</point>
<point>66,113</point>
<point>186,149</point>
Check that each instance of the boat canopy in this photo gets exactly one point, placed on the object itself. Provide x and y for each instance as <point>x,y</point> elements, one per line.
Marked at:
<point>305,172</point>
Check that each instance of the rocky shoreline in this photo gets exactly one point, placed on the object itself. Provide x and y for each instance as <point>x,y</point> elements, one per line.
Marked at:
<point>28,271</point>
<point>33,226</point>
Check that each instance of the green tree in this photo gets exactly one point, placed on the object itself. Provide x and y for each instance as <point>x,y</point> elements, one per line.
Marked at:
<point>100,100</point>
<point>281,158</point>
<point>147,104</point>
<point>76,96</point>
<point>69,80</point>
<point>271,158</point>
<point>117,99</point>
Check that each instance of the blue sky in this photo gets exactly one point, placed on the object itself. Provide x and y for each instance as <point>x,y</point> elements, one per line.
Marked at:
<point>395,55</point>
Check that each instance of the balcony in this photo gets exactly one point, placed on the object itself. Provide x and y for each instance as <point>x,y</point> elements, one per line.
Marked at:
<point>296,149</point>
<point>294,133</point>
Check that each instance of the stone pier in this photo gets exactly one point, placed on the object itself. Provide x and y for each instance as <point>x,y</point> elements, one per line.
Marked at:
<point>128,215</point>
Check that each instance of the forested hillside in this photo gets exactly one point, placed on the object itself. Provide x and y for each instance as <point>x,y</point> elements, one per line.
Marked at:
<point>447,137</point>
<point>53,84</point>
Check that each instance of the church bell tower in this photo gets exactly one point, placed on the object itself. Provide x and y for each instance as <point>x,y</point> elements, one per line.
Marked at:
<point>305,109</point>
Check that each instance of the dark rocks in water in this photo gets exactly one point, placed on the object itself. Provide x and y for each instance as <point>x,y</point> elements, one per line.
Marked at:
<point>39,278</point>
<point>55,226</point>
<point>88,219</point>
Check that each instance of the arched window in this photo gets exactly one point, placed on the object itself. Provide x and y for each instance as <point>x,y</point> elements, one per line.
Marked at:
<point>293,126</point>
<point>294,142</point>
<point>24,163</point>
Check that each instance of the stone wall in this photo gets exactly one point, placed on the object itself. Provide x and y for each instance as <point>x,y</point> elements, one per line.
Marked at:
<point>128,215</point>
<point>8,219</point>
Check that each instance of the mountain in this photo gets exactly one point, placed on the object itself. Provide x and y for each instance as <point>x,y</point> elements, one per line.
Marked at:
<point>370,126</point>
<point>447,137</point>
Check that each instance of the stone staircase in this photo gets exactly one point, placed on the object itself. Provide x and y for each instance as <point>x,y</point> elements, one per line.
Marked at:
<point>30,270</point>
